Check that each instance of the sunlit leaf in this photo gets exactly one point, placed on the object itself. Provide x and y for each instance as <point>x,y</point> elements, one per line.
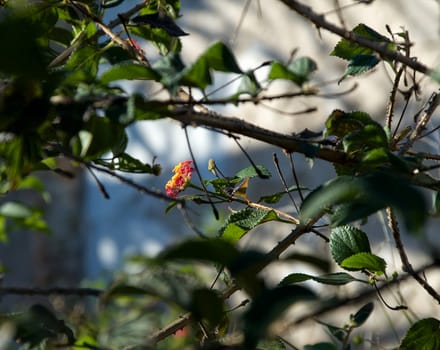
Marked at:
<point>364,261</point>
<point>241,222</point>
<point>346,241</point>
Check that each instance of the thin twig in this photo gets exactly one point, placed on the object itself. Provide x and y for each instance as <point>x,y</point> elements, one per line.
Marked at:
<point>407,267</point>
<point>431,106</point>
<point>283,181</point>
<point>380,48</point>
<point>214,209</point>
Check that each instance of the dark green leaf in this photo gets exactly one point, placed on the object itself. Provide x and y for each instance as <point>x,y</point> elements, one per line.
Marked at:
<point>128,71</point>
<point>346,241</point>
<point>212,250</point>
<point>361,64</point>
<point>423,335</point>
<point>364,261</point>
<point>295,278</point>
<point>338,278</point>
<point>252,171</point>
<point>218,57</point>
<point>125,162</point>
<point>362,314</point>
<point>267,307</point>
<point>22,36</point>
<point>39,324</point>
<point>206,304</point>
<point>347,50</point>
<point>321,346</point>
<point>159,20</point>
<point>276,197</point>
<point>370,193</point>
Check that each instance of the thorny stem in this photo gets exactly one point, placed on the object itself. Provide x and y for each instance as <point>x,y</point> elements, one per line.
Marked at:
<point>431,106</point>
<point>392,99</point>
<point>407,267</point>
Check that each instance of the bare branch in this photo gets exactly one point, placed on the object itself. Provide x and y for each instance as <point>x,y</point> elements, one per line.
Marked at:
<point>290,143</point>
<point>82,292</point>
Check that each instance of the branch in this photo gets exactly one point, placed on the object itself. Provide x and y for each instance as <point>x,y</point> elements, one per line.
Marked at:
<point>381,49</point>
<point>82,292</point>
<point>431,106</point>
<point>290,143</point>
<point>273,255</point>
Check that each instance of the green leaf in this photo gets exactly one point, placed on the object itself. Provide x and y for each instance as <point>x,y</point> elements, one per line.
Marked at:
<point>361,315</point>
<point>252,171</point>
<point>298,71</point>
<point>241,222</point>
<point>423,335</point>
<point>171,70</point>
<point>346,241</point>
<point>217,57</point>
<point>82,65</point>
<point>248,85</point>
<point>267,307</point>
<point>128,71</point>
<point>321,346</point>
<point>338,278</point>
<point>361,64</point>
<point>212,250</point>
<point>364,261</point>
<point>347,50</point>
<point>276,197</point>
<point>125,162</point>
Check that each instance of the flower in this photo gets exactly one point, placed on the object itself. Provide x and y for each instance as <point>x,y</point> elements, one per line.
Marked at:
<point>181,178</point>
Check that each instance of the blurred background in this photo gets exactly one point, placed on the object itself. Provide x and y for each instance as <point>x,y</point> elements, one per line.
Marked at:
<point>92,235</point>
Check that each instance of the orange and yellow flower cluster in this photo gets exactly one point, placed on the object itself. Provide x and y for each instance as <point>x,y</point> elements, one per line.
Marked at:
<point>181,178</point>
